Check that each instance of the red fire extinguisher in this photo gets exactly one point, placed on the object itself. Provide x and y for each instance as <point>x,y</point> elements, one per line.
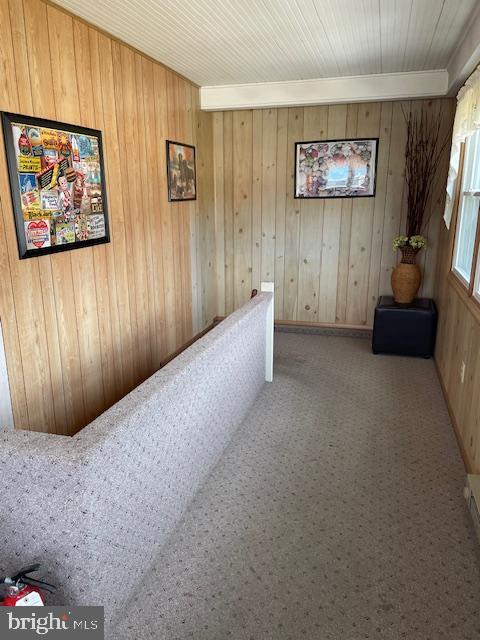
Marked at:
<point>25,591</point>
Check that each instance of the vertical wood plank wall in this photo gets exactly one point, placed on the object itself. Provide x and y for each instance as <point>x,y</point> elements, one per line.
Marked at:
<point>458,340</point>
<point>82,328</point>
<point>330,259</point>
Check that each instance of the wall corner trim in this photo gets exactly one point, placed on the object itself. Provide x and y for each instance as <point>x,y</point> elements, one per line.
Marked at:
<point>6,413</point>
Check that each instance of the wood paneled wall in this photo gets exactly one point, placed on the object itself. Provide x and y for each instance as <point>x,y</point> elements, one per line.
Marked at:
<point>330,259</point>
<point>458,340</point>
<point>84,327</point>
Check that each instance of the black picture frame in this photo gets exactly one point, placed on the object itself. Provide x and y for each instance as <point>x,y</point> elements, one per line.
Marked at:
<point>8,120</point>
<point>171,174</point>
<point>344,141</point>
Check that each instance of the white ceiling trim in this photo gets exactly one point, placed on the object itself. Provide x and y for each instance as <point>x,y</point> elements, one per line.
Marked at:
<point>364,88</point>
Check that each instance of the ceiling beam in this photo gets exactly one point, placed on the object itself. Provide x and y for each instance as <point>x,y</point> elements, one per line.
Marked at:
<point>366,88</point>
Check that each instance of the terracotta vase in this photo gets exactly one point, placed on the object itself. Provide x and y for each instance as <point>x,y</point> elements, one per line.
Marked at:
<point>406,277</point>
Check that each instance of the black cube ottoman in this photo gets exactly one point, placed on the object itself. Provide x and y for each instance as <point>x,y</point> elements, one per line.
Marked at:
<point>405,329</point>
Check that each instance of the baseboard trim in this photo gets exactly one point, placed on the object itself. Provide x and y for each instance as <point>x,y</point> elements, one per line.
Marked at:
<point>323,325</point>
<point>453,420</point>
<point>314,325</point>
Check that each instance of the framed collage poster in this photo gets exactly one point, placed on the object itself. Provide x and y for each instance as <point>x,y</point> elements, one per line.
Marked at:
<point>57,180</point>
<point>336,168</point>
<point>181,172</point>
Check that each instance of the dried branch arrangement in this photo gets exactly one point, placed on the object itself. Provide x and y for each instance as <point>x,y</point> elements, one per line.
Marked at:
<point>423,153</point>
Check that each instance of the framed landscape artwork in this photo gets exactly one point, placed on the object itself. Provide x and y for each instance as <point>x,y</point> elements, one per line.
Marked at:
<point>181,172</point>
<point>336,168</point>
<point>57,182</point>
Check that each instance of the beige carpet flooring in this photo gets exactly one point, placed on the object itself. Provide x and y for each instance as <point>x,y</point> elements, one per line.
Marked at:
<point>336,513</point>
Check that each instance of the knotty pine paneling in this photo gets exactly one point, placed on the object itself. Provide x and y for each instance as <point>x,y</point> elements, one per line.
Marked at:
<point>458,340</point>
<point>84,327</point>
<point>330,259</point>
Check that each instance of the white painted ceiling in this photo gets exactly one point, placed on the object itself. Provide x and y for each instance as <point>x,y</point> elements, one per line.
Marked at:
<point>215,42</point>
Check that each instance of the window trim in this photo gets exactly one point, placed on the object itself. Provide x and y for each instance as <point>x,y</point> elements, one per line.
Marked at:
<point>475,267</point>
<point>465,292</point>
<point>468,286</point>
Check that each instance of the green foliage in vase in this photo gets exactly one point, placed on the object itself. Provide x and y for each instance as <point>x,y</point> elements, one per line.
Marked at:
<point>416,242</point>
<point>399,242</point>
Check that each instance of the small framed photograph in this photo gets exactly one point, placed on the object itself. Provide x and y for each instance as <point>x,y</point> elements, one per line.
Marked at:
<point>336,168</point>
<point>57,183</point>
<point>181,172</point>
